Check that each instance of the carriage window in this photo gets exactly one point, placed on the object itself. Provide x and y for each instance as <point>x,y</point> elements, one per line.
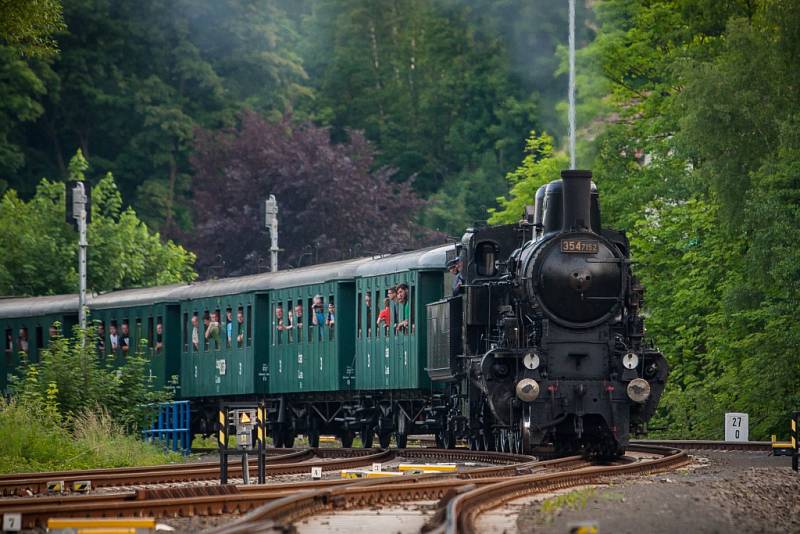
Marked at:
<point>39,337</point>
<point>411,302</point>
<point>125,336</point>
<point>159,340</point>
<point>150,343</point>
<point>52,332</point>
<point>185,332</point>
<point>22,339</point>
<point>9,346</point>
<point>278,323</point>
<point>240,327</point>
<point>485,255</point>
<point>195,332</point>
<point>290,322</point>
<point>358,314</point>
<point>137,335</point>
<point>215,329</point>
<point>313,318</point>
<point>206,329</point>
<point>100,334</point>
<point>229,327</point>
<point>330,318</point>
<point>249,325</point>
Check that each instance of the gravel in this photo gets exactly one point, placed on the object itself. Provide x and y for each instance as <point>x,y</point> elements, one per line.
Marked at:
<point>721,492</point>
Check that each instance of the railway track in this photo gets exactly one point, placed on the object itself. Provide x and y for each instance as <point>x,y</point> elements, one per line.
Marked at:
<point>215,500</point>
<point>273,506</point>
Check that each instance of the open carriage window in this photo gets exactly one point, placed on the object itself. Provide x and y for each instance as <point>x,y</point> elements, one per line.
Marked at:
<point>330,318</point>
<point>159,334</point>
<point>240,327</point>
<point>279,324</point>
<point>249,325</point>
<point>230,327</point>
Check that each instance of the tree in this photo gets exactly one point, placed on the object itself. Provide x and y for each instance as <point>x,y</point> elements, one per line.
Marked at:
<point>40,249</point>
<point>540,167</point>
<point>332,204</point>
<point>134,80</point>
<point>434,92</point>
<point>28,25</point>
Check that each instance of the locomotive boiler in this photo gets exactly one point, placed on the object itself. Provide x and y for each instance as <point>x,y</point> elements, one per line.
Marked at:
<point>545,344</point>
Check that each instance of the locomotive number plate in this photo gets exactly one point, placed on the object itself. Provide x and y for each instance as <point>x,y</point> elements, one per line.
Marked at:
<point>579,246</point>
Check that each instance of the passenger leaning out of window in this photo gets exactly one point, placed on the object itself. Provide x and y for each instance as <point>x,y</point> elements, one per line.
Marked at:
<point>402,309</point>
<point>125,338</point>
<point>330,320</point>
<point>240,328</point>
<point>383,316</point>
<point>229,326</point>
<point>22,340</point>
<point>318,317</point>
<point>195,332</point>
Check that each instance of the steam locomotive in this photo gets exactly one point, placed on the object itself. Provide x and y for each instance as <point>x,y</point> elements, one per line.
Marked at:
<point>546,345</point>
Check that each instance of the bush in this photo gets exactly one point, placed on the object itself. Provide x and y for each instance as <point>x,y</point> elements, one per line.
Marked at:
<point>72,379</point>
<point>72,410</point>
<point>35,439</point>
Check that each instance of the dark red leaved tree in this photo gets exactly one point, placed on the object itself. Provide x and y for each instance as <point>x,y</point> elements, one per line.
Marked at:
<point>332,205</point>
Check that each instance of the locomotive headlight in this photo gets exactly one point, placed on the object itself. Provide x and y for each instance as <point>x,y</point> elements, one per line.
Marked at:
<point>639,390</point>
<point>527,390</point>
<point>531,361</point>
<point>630,360</point>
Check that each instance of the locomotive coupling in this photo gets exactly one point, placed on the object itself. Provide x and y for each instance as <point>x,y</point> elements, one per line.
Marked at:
<point>639,390</point>
<point>528,390</point>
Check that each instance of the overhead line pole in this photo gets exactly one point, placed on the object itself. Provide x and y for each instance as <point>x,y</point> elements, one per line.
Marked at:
<point>79,212</point>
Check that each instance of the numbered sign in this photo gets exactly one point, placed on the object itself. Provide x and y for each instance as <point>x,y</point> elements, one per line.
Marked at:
<point>736,427</point>
<point>12,522</point>
<point>377,467</point>
<point>316,473</point>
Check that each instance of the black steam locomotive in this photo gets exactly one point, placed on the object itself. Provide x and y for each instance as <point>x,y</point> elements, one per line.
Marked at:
<point>545,345</point>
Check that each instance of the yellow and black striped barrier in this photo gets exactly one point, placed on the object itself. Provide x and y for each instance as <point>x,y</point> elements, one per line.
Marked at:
<point>795,439</point>
<point>791,447</point>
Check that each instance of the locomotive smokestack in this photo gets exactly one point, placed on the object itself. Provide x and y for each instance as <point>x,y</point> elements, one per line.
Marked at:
<point>576,200</point>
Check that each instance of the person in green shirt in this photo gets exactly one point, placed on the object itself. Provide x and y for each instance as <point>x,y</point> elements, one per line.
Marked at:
<point>403,309</point>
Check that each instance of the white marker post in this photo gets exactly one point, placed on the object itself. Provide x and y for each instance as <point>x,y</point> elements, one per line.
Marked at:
<point>377,467</point>
<point>12,522</point>
<point>737,427</point>
<point>316,473</point>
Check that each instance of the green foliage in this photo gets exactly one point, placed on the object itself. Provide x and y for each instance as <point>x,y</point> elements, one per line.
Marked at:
<point>40,249</point>
<point>35,439</point>
<point>540,166</point>
<point>700,160</point>
<point>28,25</point>
<point>71,380</point>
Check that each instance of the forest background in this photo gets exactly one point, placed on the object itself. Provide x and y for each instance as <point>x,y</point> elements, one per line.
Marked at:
<point>382,125</point>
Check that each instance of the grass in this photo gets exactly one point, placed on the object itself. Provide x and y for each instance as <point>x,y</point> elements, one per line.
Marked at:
<point>35,439</point>
<point>574,500</point>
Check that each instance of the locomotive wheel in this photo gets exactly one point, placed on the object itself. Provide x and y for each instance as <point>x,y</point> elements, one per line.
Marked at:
<point>384,438</point>
<point>505,445</point>
<point>288,439</point>
<point>367,436</point>
<point>445,439</point>
<point>401,435</point>
<point>474,443</point>
<point>313,438</point>
<point>487,441</point>
<point>347,439</point>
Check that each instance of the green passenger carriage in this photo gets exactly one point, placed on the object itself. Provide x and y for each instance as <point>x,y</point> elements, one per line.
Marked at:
<point>333,371</point>
<point>29,321</point>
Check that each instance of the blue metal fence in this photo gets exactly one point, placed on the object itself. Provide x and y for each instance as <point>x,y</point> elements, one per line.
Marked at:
<point>171,426</point>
